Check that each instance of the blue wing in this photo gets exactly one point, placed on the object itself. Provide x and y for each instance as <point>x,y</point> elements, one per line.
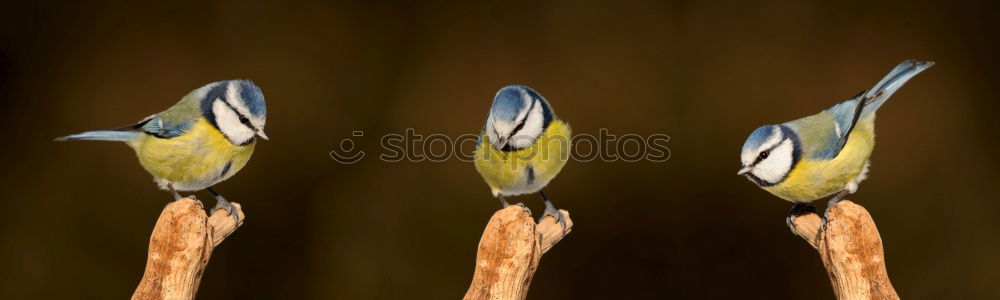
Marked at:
<point>845,116</point>
<point>160,128</point>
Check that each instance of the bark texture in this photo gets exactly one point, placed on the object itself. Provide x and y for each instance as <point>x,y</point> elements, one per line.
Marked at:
<point>851,250</point>
<point>179,249</point>
<point>509,252</point>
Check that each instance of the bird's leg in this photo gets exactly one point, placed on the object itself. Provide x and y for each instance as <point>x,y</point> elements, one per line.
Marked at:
<point>829,205</point>
<point>170,187</point>
<point>221,203</point>
<point>503,202</point>
<point>550,210</point>
<point>177,196</point>
<point>798,209</point>
<point>833,202</point>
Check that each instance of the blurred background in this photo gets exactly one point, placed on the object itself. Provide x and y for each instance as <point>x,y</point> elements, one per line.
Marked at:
<point>77,216</point>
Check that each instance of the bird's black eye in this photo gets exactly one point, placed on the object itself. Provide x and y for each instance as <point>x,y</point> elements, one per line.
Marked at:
<point>765,154</point>
<point>244,120</point>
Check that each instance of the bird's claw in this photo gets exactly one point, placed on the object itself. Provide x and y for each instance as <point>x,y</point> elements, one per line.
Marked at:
<point>798,209</point>
<point>790,221</point>
<point>555,213</point>
<point>221,203</point>
<point>829,205</point>
<point>822,225</point>
<point>521,204</point>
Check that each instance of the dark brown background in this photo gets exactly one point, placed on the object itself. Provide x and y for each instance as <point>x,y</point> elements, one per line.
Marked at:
<point>76,216</point>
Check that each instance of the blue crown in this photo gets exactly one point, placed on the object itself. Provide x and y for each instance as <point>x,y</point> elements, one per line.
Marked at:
<point>508,101</point>
<point>758,137</point>
<point>253,97</point>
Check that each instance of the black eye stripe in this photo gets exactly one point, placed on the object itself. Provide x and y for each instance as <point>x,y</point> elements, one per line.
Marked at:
<point>761,157</point>
<point>520,125</point>
<point>758,160</point>
<point>243,119</point>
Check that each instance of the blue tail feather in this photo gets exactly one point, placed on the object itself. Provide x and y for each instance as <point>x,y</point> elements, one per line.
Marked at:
<point>102,135</point>
<point>892,82</point>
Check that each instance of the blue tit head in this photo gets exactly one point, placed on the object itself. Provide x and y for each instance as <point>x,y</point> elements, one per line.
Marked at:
<point>235,107</point>
<point>769,154</point>
<point>517,118</point>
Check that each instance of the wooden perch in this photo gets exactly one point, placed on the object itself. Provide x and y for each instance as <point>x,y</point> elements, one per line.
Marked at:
<point>509,251</point>
<point>851,249</point>
<point>182,242</point>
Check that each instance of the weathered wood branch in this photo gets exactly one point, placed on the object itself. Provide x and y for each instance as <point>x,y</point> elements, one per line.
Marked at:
<point>851,250</point>
<point>179,249</point>
<point>509,252</point>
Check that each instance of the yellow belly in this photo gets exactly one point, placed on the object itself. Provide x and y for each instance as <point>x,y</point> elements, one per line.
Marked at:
<point>198,159</point>
<point>527,170</point>
<point>815,179</point>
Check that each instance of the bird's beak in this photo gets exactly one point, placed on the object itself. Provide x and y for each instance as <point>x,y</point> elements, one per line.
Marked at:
<point>260,132</point>
<point>744,170</point>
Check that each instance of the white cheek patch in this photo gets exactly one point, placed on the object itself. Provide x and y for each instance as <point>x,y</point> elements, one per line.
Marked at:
<point>496,129</point>
<point>531,130</point>
<point>774,168</point>
<point>229,123</point>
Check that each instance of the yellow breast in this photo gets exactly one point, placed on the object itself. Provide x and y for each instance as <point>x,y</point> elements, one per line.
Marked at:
<point>814,179</point>
<point>527,170</point>
<point>197,159</point>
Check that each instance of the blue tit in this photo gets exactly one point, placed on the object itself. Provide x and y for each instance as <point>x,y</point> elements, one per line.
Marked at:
<point>523,146</point>
<point>202,140</point>
<point>823,154</point>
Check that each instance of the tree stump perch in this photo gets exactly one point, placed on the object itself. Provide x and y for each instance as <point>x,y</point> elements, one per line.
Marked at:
<point>179,249</point>
<point>509,252</point>
<point>851,250</point>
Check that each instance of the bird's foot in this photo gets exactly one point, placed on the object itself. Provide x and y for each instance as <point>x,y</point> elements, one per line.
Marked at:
<point>192,197</point>
<point>521,204</point>
<point>221,203</point>
<point>833,202</point>
<point>829,205</point>
<point>551,210</point>
<point>799,209</point>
